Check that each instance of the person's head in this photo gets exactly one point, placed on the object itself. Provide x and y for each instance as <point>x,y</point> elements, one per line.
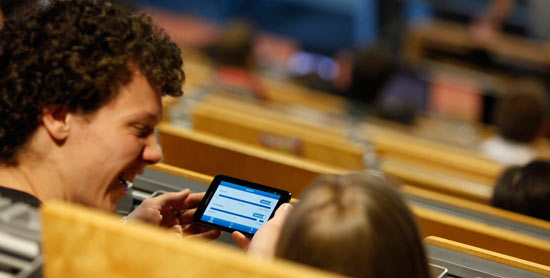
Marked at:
<point>525,189</point>
<point>80,88</point>
<point>519,114</point>
<point>357,225</point>
<point>235,45</point>
<point>371,70</point>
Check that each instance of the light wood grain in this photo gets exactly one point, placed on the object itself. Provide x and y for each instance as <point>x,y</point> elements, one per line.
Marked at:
<point>80,242</point>
<point>476,207</point>
<point>434,223</point>
<point>212,156</point>
<point>488,255</point>
<point>239,125</point>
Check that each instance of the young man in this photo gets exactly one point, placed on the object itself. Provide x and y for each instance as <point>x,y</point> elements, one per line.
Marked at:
<point>80,95</point>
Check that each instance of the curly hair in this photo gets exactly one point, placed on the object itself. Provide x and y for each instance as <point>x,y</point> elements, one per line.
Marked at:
<point>14,7</point>
<point>77,54</point>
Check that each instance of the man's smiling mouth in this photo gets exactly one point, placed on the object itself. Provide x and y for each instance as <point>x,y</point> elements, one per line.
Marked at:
<point>125,183</point>
<point>126,179</point>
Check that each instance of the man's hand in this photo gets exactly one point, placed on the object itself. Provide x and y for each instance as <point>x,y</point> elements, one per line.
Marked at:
<point>265,240</point>
<point>174,210</point>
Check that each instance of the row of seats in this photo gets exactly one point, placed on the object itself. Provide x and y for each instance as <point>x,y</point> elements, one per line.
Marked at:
<point>267,143</point>
<point>412,159</point>
<point>481,226</point>
<point>98,245</point>
<point>461,260</point>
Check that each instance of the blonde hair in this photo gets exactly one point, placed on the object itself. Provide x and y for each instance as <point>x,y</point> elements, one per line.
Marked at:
<point>356,225</point>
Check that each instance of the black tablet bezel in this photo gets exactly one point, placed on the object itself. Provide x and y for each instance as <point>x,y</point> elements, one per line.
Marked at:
<point>285,198</point>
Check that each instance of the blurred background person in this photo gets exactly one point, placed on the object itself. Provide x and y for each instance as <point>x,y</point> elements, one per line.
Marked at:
<point>374,87</point>
<point>525,190</point>
<point>234,57</point>
<point>519,118</point>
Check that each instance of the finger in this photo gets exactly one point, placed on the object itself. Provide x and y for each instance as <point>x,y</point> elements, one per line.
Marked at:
<point>241,240</point>
<point>186,217</point>
<point>209,235</point>
<point>195,229</point>
<point>188,208</point>
<point>172,199</point>
<point>171,205</point>
<point>282,213</point>
<point>168,220</point>
<point>193,200</point>
<point>144,213</point>
<point>176,230</point>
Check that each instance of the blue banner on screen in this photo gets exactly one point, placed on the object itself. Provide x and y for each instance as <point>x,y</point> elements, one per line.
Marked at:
<point>239,207</point>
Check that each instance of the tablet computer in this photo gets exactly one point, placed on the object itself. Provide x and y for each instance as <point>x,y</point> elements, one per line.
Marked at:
<point>232,204</point>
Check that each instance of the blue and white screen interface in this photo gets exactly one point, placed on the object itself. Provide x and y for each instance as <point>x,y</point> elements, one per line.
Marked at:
<point>239,207</point>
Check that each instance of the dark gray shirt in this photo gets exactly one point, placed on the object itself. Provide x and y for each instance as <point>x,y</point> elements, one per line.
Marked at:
<point>19,196</point>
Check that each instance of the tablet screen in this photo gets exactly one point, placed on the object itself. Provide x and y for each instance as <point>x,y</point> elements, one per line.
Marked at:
<point>239,207</point>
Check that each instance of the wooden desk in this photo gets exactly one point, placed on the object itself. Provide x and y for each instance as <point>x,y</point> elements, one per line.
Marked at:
<point>479,213</point>
<point>402,147</point>
<point>504,263</point>
<point>80,242</point>
<point>281,135</point>
<point>212,155</point>
<point>419,162</point>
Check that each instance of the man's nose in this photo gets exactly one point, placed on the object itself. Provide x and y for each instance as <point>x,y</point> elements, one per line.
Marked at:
<point>152,152</point>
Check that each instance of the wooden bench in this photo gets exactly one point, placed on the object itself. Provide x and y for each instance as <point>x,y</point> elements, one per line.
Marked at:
<point>260,126</point>
<point>286,136</point>
<point>437,181</point>
<point>399,146</point>
<point>464,260</point>
<point>477,212</point>
<point>296,114</point>
<point>434,221</point>
<point>212,155</point>
<point>200,75</point>
<point>170,178</point>
<point>80,242</point>
<point>292,94</point>
<point>388,142</point>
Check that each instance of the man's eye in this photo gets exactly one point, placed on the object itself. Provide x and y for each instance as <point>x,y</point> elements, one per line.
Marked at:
<point>143,132</point>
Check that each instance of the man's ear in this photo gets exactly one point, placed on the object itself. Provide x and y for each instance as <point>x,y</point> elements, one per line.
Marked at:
<point>57,122</point>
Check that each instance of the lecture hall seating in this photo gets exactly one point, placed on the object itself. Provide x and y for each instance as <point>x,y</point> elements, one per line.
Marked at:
<point>257,126</point>
<point>516,240</point>
<point>212,155</point>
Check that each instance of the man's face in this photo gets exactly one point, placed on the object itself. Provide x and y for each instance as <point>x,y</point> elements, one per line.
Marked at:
<point>113,144</point>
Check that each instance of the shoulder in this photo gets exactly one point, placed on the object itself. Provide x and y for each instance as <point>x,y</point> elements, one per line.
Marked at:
<point>19,196</point>
<point>507,153</point>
